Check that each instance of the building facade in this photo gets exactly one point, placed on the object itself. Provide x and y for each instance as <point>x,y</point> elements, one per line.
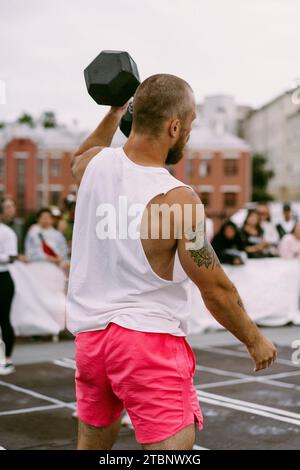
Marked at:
<point>217,164</point>
<point>274,131</point>
<point>35,165</point>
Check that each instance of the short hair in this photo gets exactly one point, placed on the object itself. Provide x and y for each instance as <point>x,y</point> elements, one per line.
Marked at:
<point>42,211</point>
<point>157,99</point>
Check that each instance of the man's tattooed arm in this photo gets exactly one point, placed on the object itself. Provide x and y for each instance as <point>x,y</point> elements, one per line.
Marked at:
<point>205,256</point>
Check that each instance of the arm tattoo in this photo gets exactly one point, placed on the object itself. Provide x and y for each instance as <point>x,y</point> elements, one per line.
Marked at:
<point>240,303</point>
<point>205,256</point>
<point>239,300</point>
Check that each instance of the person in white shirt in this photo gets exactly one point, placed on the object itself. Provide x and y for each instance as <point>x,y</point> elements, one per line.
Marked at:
<point>288,222</point>
<point>289,247</point>
<point>8,252</point>
<point>43,242</point>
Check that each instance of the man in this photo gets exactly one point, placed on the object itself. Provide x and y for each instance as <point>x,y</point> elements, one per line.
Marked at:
<point>128,313</point>
<point>288,223</point>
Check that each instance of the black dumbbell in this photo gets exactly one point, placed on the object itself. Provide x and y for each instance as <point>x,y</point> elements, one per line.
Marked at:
<point>111,79</point>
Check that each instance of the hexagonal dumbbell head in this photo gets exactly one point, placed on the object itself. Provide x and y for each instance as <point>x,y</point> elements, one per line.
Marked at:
<point>112,78</point>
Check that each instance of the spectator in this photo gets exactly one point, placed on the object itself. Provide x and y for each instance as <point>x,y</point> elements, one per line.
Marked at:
<point>43,242</point>
<point>288,222</point>
<point>9,218</point>
<point>228,244</point>
<point>8,252</point>
<point>270,234</point>
<point>252,235</point>
<point>290,244</point>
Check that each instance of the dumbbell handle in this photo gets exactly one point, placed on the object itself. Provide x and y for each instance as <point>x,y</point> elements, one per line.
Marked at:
<point>126,121</point>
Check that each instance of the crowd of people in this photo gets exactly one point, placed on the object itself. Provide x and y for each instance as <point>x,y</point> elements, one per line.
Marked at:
<point>47,236</point>
<point>258,237</point>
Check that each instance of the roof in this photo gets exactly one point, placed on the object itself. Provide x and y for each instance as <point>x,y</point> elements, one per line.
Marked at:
<point>205,137</point>
<point>60,137</point>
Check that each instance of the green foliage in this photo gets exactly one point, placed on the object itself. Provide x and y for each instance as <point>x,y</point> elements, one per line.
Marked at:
<point>48,120</point>
<point>260,179</point>
<point>27,119</point>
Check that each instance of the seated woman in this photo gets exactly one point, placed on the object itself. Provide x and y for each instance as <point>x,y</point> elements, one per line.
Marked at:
<point>270,234</point>
<point>289,247</point>
<point>252,235</point>
<point>229,245</point>
<point>44,243</point>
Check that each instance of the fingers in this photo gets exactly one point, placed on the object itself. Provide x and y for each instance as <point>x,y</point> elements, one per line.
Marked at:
<point>266,363</point>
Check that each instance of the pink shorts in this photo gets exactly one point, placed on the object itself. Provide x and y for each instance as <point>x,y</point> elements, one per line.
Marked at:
<point>148,374</point>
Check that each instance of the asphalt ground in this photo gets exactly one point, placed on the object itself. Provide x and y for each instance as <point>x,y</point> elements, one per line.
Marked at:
<point>241,409</point>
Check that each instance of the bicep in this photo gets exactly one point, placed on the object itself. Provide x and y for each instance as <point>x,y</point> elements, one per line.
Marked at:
<point>80,162</point>
<point>197,256</point>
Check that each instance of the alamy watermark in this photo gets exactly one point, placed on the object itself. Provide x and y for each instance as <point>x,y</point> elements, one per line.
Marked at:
<point>296,93</point>
<point>2,92</point>
<point>158,221</point>
<point>296,354</point>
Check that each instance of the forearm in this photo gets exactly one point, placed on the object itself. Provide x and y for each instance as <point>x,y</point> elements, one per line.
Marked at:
<point>102,136</point>
<point>227,308</point>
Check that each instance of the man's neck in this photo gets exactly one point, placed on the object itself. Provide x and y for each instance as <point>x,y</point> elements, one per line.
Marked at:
<point>146,150</point>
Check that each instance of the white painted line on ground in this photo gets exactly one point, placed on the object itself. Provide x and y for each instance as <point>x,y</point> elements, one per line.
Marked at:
<point>282,375</point>
<point>249,410</point>
<point>222,383</point>
<point>229,352</point>
<point>35,394</point>
<point>196,447</point>
<point>2,448</point>
<point>68,359</point>
<point>63,364</point>
<point>249,404</point>
<point>30,410</point>
<point>222,372</point>
<point>264,379</point>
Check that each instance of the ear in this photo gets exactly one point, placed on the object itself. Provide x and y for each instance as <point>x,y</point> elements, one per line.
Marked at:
<point>174,128</point>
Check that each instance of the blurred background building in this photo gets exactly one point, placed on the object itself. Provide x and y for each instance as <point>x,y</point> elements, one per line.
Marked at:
<point>35,164</point>
<point>218,161</point>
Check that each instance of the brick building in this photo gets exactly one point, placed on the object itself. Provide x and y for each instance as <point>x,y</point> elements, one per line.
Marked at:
<point>35,164</point>
<point>217,165</point>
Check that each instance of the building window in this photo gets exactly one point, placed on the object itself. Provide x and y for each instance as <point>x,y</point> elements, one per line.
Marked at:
<point>40,198</point>
<point>55,168</point>
<point>20,184</point>
<point>205,199</point>
<point>188,167</point>
<point>230,167</point>
<point>40,168</point>
<point>55,197</point>
<point>230,200</point>
<point>204,168</point>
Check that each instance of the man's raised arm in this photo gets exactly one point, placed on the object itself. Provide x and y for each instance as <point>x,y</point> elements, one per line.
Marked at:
<point>101,137</point>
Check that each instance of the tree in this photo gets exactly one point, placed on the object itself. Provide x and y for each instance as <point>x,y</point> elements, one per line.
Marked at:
<point>48,120</point>
<point>260,178</point>
<point>27,119</point>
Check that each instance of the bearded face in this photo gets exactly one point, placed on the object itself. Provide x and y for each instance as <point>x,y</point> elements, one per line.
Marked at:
<point>175,153</point>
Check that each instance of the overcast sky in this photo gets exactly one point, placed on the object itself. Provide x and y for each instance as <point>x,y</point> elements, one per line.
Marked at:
<point>247,48</point>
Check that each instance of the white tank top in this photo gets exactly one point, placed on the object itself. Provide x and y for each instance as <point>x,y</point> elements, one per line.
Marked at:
<point>111,280</point>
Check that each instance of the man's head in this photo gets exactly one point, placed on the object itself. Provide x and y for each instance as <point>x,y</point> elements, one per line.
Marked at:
<point>164,108</point>
<point>287,211</point>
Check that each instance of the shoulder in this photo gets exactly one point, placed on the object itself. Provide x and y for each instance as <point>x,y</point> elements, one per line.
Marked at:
<point>182,195</point>
<point>7,232</point>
